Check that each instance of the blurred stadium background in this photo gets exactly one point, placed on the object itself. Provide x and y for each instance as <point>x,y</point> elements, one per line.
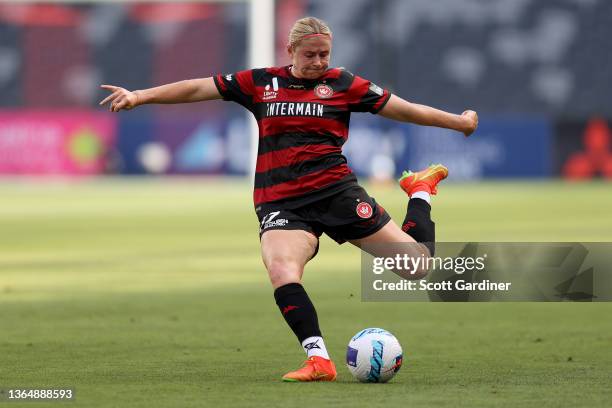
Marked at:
<point>538,72</point>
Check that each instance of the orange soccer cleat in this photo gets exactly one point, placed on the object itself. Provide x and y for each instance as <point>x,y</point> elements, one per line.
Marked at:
<point>315,369</point>
<point>424,180</point>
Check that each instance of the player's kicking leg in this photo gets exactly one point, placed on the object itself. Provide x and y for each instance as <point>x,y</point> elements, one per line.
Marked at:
<point>417,228</point>
<point>285,253</point>
<point>420,186</point>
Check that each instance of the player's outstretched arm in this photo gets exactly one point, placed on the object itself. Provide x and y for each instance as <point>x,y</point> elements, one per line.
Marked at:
<point>191,90</point>
<point>404,111</point>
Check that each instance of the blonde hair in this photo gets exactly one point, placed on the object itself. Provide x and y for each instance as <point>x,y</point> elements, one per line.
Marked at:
<point>307,27</point>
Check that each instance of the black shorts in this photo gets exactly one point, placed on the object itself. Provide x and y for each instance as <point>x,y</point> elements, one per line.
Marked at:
<point>348,215</point>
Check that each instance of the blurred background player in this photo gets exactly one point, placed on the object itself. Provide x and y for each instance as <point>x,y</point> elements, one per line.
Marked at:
<point>303,186</point>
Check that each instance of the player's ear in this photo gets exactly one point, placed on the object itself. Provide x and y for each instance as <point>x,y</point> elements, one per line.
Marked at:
<point>290,51</point>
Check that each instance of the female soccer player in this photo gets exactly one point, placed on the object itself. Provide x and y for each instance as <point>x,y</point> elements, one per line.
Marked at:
<point>303,186</point>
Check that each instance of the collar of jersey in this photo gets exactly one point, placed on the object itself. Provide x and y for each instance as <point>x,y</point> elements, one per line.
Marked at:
<point>303,81</point>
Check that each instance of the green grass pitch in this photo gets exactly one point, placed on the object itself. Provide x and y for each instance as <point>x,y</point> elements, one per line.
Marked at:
<point>151,293</point>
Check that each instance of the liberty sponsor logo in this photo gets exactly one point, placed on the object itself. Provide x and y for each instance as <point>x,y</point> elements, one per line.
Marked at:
<point>323,91</point>
<point>364,210</point>
<point>270,221</point>
<point>271,94</point>
<point>294,109</point>
<point>268,94</point>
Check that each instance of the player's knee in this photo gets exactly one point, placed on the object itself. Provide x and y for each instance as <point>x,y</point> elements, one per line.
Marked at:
<point>418,269</point>
<point>283,271</point>
<point>420,273</point>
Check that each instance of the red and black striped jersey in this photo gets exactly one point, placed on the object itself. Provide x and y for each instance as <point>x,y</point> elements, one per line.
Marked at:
<point>302,127</point>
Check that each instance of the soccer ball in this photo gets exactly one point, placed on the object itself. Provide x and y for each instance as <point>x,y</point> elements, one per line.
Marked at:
<point>374,355</point>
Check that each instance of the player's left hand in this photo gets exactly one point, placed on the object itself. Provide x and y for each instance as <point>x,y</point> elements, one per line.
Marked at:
<point>470,118</point>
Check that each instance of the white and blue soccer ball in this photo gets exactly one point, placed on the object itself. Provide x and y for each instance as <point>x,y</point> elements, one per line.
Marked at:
<point>374,355</point>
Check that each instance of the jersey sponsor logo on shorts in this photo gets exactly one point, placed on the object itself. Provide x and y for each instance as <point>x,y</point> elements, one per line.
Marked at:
<point>323,91</point>
<point>364,210</point>
<point>294,109</point>
<point>270,221</point>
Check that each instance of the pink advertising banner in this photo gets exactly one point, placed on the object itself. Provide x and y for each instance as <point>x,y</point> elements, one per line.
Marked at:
<point>67,142</point>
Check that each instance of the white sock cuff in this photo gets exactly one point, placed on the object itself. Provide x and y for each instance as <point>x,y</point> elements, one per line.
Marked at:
<point>315,346</point>
<point>423,195</point>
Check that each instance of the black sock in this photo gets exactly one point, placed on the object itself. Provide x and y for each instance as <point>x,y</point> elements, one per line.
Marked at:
<point>418,223</point>
<point>298,310</point>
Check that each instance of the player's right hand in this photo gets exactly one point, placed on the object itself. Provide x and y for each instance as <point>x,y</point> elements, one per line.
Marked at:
<point>120,98</point>
<point>471,122</point>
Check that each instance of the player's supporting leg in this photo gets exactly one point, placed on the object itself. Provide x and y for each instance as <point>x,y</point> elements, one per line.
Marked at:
<point>285,253</point>
<point>420,186</point>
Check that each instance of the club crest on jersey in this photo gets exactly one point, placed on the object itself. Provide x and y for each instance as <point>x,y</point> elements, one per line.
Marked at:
<point>364,210</point>
<point>323,91</point>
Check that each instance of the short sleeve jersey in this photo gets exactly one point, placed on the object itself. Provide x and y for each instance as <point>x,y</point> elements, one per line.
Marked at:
<point>302,127</point>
